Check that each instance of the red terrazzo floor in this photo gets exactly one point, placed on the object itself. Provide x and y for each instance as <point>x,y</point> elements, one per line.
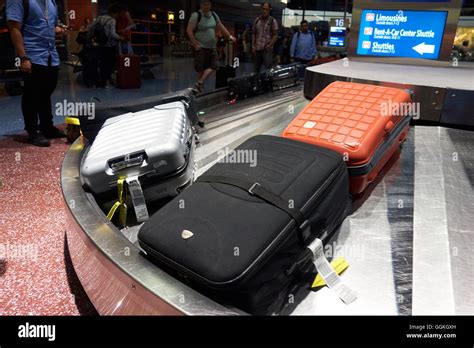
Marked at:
<point>36,276</point>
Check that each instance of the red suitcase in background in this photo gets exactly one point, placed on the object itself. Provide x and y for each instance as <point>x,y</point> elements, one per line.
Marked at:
<point>128,71</point>
<point>359,121</point>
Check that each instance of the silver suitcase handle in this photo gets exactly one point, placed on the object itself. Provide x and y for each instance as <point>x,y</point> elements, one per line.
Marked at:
<point>128,162</point>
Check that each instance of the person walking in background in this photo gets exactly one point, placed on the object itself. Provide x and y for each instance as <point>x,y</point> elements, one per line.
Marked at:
<point>82,35</point>
<point>265,34</point>
<point>303,45</point>
<point>103,32</point>
<point>201,31</point>
<point>124,28</point>
<point>34,39</point>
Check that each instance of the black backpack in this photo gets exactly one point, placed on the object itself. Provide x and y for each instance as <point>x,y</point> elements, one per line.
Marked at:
<point>5,39</point>
<point>99,35</point>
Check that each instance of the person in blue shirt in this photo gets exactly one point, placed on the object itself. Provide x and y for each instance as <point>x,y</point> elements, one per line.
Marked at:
<point>303,45</point>
<point>33,32</point>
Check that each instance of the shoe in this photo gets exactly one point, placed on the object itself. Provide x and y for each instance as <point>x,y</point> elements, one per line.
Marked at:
<point>54,133</point>
<point>39,139</point>
<point>199,87</point>
<point>201,124</point>
<point>109,85</point>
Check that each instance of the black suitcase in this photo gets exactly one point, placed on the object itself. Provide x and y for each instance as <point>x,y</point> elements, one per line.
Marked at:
<point>223,74</point>
<point>244,87</point>
<point>90,127</point>
<point>249,86</point>
<point>285,76</point>
<point>243,233</point>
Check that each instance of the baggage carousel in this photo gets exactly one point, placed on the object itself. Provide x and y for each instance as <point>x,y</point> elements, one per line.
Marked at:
<point>409,240</point>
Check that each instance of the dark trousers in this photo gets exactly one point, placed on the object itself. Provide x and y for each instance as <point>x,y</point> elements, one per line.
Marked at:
<point>107,61</point>
<point>264,57</point>
<point>302,61</point>
<point>36,101</point>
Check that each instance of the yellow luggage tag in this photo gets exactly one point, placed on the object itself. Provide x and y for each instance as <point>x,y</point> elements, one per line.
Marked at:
<point>72,120</point>
<point>339,265</point>
<point>120,204</point>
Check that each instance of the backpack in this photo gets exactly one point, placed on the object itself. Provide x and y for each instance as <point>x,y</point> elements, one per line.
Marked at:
<point>99,34</point>
<point>200,17</point>
<point>5,39</point>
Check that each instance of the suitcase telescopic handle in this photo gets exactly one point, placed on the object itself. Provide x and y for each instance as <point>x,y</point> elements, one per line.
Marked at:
<point>127,162</point>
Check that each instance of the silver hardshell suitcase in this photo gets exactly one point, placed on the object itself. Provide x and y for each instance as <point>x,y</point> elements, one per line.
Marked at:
<point>156,145</point>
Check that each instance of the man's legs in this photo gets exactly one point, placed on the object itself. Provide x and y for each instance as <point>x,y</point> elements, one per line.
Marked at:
<point>107,63</point>
<point>206,74</point>
<point>302,61</point>
<point>50,78</point>
<point>258,60</point>
<point>32,103</point>
<point>205,63</point>
<point>267,59</point>
<point>29,101</point>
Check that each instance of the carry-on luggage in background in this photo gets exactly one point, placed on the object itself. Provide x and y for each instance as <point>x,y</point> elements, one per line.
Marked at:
<point>128,71</point>
<point>243,234</point>
<point>226,72</point>
<point>249,86</point>
<point>357,121</point>
<point>243,87</point>
<point>155,145</point>
<point>90,126</point>
<point>223,74</point>
<point>286,76</point>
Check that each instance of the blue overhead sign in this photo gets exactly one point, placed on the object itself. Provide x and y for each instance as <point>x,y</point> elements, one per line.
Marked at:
<point>337,36</point>
<point>409,34</point>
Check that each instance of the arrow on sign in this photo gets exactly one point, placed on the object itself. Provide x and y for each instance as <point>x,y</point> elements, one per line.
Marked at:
<point>424,48</point>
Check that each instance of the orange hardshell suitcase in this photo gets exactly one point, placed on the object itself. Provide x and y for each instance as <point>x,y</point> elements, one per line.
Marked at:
<point>360,121</point>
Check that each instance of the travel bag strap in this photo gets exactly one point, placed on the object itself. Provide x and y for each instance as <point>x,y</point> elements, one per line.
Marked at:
<point>257,190</point>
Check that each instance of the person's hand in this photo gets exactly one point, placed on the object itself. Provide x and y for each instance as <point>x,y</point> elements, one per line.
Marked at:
<point>233,39</point>
<point>254,51</point>
<point>197,46</point>
<point>268,48</point>
<point>123,38</point>
<point>60,30</point>
<point>292,60</point>
<point>26,66</point>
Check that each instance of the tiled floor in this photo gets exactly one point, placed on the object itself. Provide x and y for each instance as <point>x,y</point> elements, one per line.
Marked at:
<point>36,276</point>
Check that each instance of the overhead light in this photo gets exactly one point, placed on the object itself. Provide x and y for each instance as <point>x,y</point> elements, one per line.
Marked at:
<point>170,17</point>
